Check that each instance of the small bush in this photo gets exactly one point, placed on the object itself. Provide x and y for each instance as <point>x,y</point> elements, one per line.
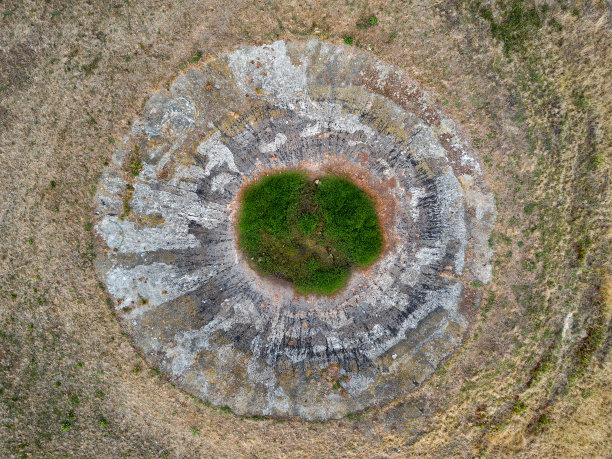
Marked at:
<point>367,22</point>
<point>196,56</point>
<point>135,166</point>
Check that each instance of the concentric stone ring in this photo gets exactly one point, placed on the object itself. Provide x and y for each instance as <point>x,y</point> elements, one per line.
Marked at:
<point>167,206</point>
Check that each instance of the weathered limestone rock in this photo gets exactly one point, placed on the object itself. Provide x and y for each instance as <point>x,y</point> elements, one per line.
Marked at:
<point>190,302</point>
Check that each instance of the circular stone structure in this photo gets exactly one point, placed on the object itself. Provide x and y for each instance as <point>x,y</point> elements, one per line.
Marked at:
<point>309,231</point>
<point>168,254</point>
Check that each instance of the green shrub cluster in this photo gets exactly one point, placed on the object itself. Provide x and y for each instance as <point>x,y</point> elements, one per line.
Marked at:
<point>308,232</point>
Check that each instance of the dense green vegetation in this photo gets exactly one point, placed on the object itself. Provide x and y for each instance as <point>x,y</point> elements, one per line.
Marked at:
<point>308,232</point>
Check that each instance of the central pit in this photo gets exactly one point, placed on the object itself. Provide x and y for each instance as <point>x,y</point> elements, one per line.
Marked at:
<point>169,249</point>
<point>308,231</point>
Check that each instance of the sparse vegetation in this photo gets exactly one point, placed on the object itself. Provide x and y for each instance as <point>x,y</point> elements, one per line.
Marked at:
<point>129,192</point>
<point>529,208</point>
<point>135,163</point>
<point>514,26</point>
<point>367,22</point>
<point>93,65</point>
<point>196,56</point>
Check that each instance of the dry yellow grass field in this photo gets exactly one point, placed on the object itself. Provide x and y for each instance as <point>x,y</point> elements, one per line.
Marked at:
<point>530,83</point>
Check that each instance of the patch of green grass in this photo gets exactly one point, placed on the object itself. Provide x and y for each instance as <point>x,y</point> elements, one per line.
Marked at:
<point>308,232</point>
<point>367,22</point>
<point>93,65</point>
<point>348,39</point>
<point>597,160</point>
<point>355,416</point>
<point>515,26</point>
<point>307,223</point>
<point>544,420</point>
<point>195,57</point>
<point>350,219</point>
<point>488,305</point>
<point>587,346</point>
<point>135,163</point>
<point>129,192</point>
<point>519,407</point>
<point>392,36</point>
<point>529,265</point>
<point>529,208</point>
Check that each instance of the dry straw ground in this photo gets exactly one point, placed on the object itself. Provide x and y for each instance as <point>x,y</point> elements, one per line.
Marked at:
<point>530,82</point>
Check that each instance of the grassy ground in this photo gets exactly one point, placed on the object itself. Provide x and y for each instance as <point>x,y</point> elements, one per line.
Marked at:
<point>309,232</point>
<point>529,82</point>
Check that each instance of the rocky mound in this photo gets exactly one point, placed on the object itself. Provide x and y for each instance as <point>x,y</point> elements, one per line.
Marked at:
<point>191,303</point>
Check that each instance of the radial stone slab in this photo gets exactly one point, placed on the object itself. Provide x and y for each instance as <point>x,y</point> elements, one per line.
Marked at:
<point>166,213</point>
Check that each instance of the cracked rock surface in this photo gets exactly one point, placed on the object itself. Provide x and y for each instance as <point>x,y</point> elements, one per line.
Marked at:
<point>168,255</point>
